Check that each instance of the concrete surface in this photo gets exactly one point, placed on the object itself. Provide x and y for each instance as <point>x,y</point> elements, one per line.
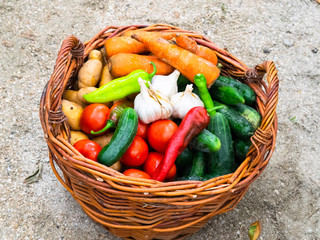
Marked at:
<point>285,198</point>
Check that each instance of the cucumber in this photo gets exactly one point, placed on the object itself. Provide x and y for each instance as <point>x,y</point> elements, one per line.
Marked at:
<point>241,148</point>
<point>184,162</point>
<point>240,126</point>
<point>250,114</point>
<point>205,141</point>
<point>247,93</point>
<point>183,82</point>
<point>198,167</point>
<point>226,94</point>
<point>121,139</point>
<point>221,162</point>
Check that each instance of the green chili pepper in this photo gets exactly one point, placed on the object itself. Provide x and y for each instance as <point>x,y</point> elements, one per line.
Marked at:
<point>205,96</point>
<point>120,87</point>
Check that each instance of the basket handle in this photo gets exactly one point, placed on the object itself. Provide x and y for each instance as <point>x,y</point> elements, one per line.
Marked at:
<point>267,101</point>
<point>69,61</point>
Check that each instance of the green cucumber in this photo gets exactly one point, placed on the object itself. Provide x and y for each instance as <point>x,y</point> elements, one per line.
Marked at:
<point>241,148</point>
<point>198,167</point>
<point>226,94</point>
<point>121,139</point>
<point>240,126</point>
<point>250,114</point>
<point>205,141</point>
<point>247,93</point>
<point>221,162</point>
<point>184,162</point>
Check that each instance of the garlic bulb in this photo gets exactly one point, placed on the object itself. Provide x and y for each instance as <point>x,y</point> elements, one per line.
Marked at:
<point>167,85</point>
<point>151,105</point>
<point>182,102</point>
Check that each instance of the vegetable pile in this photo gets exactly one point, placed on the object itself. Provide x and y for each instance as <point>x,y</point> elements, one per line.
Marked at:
<point>154,105</point>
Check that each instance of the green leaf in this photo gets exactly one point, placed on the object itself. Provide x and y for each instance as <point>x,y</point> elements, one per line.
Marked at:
<point>254,230</point>
<point>35,176</point>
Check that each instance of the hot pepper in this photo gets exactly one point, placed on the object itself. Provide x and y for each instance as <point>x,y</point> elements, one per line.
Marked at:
<point>114,115</point>
<point>120,87</point>
<point>192,124</point>
<point>205,96</point>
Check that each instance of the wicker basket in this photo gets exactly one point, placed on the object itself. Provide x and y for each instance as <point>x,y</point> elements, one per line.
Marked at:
<point>146,209</point>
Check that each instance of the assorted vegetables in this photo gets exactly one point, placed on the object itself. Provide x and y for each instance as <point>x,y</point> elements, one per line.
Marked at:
<point>159,109</point>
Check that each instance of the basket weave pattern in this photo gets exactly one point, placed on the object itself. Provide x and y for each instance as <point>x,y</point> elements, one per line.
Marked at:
<point>141,208</point>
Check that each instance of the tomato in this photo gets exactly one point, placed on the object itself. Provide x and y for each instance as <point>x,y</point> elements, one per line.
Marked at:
<point>160,133</point>
<point>142,130</point>
<point>94,117</point>
<point>136,154</point>
<point>136,173</point>
<point>88,148</point>
<point>152,162</point>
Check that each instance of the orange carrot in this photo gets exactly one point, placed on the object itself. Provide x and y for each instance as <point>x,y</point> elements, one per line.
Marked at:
<point>117,45</point>
<point>122,64</point>
<point>186,62</point>
<point>189,44</point>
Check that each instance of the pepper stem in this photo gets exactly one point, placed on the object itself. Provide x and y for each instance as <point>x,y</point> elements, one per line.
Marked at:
<point>154,70</point>
<point>109,124</point>
<point>212,111</point>
<point>205,96</point>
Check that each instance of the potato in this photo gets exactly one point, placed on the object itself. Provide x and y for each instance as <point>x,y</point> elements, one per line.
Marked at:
<point>72,96</point>
<point>103,140</point>
<point>104,55</point>
<point>73,112</point>
<point>90,73</point>
<point>117,166</point>
<point>76,136</point>
<point>96,54</point>
<point>83,91</point>
<point>105,77</point>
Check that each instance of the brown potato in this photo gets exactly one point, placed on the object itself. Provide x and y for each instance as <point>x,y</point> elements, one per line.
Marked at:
<point>83,91</point>
<point>104,56</point>
<point>105,77</point>
<point>103,140</point>
<point>72,96</point>
<point>90,73</point>
<point>117,166</point>
<point>76,136</point>
<point>73,112</point>
<point>95,54</point>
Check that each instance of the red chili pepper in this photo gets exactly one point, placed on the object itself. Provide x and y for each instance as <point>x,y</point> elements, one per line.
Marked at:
<point>114,115</point>
<point>192,124</point>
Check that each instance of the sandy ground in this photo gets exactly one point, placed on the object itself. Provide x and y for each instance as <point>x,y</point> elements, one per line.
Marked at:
<point>285,198</point>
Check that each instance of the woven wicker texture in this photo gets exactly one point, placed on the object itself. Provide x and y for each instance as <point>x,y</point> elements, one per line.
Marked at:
<point>134,208</point>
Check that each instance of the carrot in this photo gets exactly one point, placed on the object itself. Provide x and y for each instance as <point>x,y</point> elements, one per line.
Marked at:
<point>186,62</point>
<point>189,44</point>
<point>117,45</point>
<point>124,63</point>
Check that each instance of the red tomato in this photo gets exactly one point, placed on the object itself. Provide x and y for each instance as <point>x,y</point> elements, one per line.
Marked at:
<point>94,117</point>
<point>160,133</point>
<point>136,173</point>
<point>136,154</point>
<point>142,130</point>
<point>88,148</point>
<point>152,162</point>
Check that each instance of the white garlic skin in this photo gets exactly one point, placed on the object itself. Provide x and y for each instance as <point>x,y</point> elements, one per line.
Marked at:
<point>182,102</point>
<point>150,105</point>
<point>166,85</point>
